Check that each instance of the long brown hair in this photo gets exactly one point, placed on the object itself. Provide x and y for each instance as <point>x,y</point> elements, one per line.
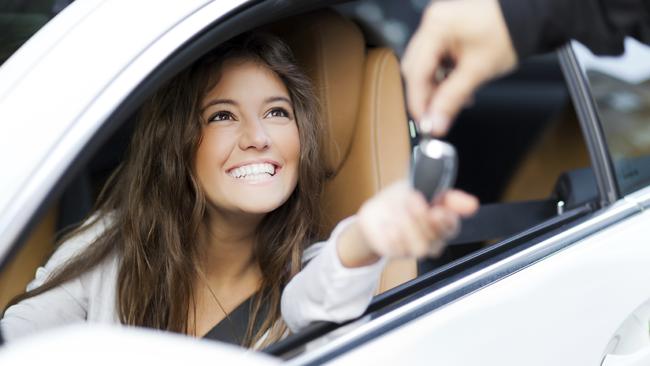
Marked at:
<point>157,208</point>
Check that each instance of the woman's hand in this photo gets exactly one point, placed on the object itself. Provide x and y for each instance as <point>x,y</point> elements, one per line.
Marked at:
<point>399,223</point>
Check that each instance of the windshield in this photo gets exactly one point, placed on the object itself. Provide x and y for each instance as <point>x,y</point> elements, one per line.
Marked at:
<point>19,20</point>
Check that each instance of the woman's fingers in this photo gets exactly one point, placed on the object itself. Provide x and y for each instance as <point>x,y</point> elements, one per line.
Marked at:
<point>417,207</point>
<point>460,202</point>
<point>446,223</point>
<point>400,223</point>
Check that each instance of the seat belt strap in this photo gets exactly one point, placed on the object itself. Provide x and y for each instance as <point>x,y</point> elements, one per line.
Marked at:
<point>500,220</point>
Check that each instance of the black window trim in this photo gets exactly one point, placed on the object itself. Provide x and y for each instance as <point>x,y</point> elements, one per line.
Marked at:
<point>589,119</point>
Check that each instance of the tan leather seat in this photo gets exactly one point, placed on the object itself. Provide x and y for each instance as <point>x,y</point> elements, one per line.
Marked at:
<point>560,148</point>
<point>39,245</point>
<point>362,98</point>
<point>361,93</point>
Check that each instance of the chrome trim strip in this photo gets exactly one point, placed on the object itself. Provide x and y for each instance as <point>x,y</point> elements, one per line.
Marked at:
<point>589,120</point>
<point>469,284</point>
<point>641,198</point>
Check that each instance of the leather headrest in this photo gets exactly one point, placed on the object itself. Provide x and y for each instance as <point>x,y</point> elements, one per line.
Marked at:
<point>331,50</point>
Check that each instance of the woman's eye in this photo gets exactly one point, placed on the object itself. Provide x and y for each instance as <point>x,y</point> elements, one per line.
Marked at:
<point>278,112</point>
<point>221,116</point>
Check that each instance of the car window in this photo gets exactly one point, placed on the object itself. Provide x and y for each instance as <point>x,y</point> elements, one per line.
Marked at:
<point>19,20</point>
<point>519,143</point>
<point>620,87</point>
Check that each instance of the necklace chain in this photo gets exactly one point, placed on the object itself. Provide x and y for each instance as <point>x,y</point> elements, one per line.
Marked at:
<point>214,296</point>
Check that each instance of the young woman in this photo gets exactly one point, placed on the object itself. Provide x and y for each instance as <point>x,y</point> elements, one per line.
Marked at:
<point>208,219</point>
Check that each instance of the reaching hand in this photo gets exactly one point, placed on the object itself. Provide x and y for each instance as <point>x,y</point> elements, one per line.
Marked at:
<point>473,35</point>
<point>399,223</point>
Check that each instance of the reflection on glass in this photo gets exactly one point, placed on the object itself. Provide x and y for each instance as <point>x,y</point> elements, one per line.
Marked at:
<point>620,87</point>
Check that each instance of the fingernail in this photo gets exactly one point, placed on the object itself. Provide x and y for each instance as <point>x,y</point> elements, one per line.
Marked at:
<point>439,124</point>
<point>426,124</point>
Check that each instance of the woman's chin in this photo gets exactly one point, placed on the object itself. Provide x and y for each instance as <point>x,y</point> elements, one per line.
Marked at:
<point>260,207</point>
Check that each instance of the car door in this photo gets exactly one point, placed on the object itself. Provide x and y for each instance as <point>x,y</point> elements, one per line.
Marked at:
<point>578,295</point>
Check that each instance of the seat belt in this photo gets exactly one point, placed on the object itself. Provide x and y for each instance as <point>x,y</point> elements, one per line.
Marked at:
<point>500,220</point>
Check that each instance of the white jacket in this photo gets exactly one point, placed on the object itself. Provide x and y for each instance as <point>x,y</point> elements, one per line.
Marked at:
<point>323,290</point>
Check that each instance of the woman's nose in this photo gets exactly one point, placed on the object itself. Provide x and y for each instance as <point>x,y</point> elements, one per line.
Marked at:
<point>254,135</point>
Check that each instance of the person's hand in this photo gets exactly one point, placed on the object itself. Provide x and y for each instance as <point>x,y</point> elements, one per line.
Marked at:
<point>399,223</point>
<point>472,34</point>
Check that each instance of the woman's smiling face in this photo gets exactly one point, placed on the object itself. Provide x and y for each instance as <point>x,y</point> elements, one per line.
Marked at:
<point>247,161</point>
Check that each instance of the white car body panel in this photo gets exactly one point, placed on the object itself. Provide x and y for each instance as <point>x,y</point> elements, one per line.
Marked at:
<point>36,47</point>
<point>46,124</point>
<point>100,344</point>
<point>589,289</point>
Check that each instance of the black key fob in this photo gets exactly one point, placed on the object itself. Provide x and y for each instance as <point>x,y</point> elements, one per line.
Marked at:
<point>434,167</point>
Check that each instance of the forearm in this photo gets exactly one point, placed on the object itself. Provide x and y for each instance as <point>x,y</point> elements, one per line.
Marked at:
<point>327,290</point>
<point>352,249</point>
<point>538,26</point>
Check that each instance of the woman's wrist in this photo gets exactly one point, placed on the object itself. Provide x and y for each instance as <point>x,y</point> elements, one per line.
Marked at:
<point>353,249</point>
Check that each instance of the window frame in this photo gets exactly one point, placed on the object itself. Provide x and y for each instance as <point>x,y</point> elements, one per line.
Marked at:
<point>479,269</point>
<point>591,126</point>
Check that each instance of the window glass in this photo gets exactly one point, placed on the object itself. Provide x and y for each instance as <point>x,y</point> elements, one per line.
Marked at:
<point>19,20</point>
<point>620,87</point>
<point>519,144</point>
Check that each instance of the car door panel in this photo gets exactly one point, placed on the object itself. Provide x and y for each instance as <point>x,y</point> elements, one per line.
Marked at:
<point>560,311</point>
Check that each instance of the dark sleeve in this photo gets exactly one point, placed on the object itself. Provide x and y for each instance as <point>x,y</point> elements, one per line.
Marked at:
<point>538,26</point>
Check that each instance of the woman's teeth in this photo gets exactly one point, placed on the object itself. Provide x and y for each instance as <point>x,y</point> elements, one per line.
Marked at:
<point>253,171</point>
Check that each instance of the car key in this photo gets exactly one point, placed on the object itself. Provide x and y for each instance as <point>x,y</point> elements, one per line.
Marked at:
<point>434,167</point>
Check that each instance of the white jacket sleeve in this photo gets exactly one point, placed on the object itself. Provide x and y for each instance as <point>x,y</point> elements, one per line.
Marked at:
<point>64,304</point>
<point>325,290</point>
<point>58,306</point>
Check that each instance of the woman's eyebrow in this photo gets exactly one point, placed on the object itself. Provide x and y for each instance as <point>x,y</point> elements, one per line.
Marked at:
<point>277,99</point>
<point>219,101</point>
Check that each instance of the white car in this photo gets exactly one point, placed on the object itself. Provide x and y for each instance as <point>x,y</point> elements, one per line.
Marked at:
<point>553,270</point>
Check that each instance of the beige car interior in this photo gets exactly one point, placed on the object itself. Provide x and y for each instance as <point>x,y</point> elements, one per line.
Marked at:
<point>38,247</point>
<point>559,148</point>
<point>362,100</point>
